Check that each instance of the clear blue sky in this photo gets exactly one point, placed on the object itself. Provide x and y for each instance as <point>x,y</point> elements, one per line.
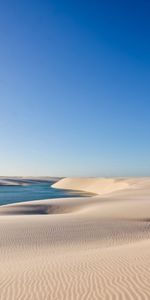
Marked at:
<point>75,88</point>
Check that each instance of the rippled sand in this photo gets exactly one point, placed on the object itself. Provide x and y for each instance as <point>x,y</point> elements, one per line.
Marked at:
<point>78,248</point>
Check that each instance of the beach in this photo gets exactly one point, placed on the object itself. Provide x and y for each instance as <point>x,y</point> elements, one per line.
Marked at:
<point>87,248</point>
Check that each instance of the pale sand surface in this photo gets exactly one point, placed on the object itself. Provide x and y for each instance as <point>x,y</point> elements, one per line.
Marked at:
<point>102,186</point>
<point>4,182</point>
<point>10,181</point>
<point>78,248</point>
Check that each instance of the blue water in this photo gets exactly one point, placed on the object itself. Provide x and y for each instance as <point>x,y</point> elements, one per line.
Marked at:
<point>38,191</point>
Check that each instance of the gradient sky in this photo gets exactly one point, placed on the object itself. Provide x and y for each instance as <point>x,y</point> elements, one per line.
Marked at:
<point>75,88</point>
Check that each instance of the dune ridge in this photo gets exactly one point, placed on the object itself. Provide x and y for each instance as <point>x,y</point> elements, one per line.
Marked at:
<point>98,186</point>
<point>79,248</point>
<point>14,181</point>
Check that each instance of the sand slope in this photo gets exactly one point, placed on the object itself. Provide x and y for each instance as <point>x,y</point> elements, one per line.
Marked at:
<point>78,248</point>
<point>13,181</point>
<point>95,185</point>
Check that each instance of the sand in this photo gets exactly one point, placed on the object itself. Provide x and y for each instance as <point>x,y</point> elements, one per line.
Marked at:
<point>4,182</point>
<point>101,186</point>
<point>78,248</point>
<point>13,181</point>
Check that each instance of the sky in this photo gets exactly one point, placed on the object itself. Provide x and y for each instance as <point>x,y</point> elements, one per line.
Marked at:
<point>74,88</point>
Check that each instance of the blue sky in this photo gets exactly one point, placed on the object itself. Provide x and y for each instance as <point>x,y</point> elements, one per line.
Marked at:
<point>75,88</point>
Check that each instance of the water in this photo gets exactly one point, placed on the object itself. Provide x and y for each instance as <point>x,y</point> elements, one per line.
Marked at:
<point>38,191</point>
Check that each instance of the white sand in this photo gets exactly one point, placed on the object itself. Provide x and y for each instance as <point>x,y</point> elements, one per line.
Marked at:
<point>96,185</point>
<point>78,248</point>
<point>10,181</point>
<point>4,182</point>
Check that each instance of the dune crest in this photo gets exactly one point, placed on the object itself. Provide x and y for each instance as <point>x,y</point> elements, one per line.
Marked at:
<point>98,186</point>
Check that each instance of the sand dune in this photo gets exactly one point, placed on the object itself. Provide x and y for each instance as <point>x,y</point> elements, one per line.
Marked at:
<point>8,182</point>
<point>78,248</point>
<point>95,185</point>
<point>13,181</point>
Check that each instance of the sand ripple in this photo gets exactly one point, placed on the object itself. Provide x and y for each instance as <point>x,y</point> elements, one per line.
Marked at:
<point>85,249</point>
